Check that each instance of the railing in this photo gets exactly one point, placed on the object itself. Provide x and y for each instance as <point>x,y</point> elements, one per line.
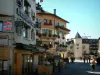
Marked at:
<point>58,48</point>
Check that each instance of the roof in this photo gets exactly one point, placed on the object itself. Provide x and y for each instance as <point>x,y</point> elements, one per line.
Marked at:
<point>48,13</point>
<point>70,42</point>
<point>78,35</point>
<point>99,38</point>
<point>89,41</point>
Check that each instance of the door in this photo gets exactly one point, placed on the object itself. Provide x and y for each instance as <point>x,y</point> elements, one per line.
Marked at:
<point>4,67</point>
<point>27,64</point>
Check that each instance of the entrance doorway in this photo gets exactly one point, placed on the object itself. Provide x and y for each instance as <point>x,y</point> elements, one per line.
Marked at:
<point>4,67</point>
<point>27,64</point>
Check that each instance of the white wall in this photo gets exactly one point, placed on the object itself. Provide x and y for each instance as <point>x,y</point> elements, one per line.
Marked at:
<point>99,46</point>
<point>20,38</point>
<point>7,7</point>
<point>86,48</point>
<point>78,52</point>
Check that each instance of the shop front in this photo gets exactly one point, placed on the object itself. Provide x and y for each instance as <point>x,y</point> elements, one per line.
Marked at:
<point>4,60</point>
<point>23,59</point>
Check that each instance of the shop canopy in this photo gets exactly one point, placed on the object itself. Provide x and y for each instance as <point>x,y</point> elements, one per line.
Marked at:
<point>33,48</point>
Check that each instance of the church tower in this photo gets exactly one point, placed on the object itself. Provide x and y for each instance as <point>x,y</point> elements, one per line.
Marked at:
<point>78,46</point>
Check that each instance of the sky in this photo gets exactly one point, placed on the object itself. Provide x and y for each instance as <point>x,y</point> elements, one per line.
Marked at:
<point>83,15</point>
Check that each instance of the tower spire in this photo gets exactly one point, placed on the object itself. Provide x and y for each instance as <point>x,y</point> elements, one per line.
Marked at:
<point>78,35</point>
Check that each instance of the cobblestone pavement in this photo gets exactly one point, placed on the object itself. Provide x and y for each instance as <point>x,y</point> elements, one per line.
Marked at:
<point>78,68</point>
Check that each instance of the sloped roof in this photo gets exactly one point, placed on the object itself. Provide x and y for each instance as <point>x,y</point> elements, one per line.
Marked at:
<point>78,35</point>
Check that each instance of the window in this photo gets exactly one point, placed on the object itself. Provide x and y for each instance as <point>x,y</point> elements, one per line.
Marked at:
<point>25,32</point>
<point>83,47</point>
<point>1,26</point>
<point>62,25</point>
<point>45,30</point>
<point>50,33</point>
<point>77,44</point>
<point>45,21</point>
<point>19,29</point>
<point>50,22</point>
<point>57,24</point>
<point>19,26</point>
<point>32,35</point>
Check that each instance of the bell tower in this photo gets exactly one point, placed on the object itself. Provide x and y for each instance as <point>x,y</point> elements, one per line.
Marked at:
<point>78,46</point>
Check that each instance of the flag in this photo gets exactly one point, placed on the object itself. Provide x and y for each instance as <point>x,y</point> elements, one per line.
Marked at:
<point>41,0</point>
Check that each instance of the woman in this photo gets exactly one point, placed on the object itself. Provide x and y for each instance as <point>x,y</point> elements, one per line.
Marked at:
<point>93,63</point>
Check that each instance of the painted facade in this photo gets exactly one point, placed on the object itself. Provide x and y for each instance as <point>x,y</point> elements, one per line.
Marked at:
<point>53,30</point>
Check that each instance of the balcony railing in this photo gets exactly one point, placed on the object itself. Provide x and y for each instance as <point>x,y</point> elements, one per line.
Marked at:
<point>38,34</point>
<point>61,27</point>
<point>59,48</point>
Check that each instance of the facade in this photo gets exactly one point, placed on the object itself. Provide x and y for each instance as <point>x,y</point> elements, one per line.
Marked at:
<point>53,31</point>
<point>17,36</point>
<point>79,46</point>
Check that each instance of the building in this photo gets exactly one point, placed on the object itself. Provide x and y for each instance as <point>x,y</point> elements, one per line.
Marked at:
<point>17,36</point>
<point>80,46</point>
<point>53,31</point>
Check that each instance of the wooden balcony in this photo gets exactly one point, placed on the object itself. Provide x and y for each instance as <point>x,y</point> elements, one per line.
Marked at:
<point>62,29</point>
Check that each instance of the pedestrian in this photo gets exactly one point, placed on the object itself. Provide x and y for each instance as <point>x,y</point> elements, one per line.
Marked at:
<point>89,58</point>
<point>67,60</point>
<point>84,59</point>
<point>93,63</point>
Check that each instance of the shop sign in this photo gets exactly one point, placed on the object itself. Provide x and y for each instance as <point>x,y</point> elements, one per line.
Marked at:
<point>7,26</point>
<point>3,40</point>
<point>4,53</point>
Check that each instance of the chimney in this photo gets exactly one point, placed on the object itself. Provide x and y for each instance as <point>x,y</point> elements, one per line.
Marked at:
<point>54,11</point>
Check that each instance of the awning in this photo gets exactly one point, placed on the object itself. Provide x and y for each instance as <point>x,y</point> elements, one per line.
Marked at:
<point>33,48</point>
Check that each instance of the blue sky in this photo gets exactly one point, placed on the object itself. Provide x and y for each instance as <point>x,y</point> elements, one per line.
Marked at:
<point>83,15</point>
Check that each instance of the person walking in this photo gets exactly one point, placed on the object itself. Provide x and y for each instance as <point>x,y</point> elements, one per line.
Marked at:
<point>89,58</point>
<point>84,59</point>
<point>93,63</point>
